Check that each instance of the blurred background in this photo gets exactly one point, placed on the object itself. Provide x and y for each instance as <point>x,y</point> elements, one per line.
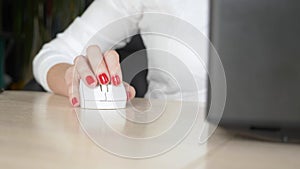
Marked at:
<point>24,27</point>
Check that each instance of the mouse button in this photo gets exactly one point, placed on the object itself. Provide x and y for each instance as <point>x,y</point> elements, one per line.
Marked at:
<point>116,93</point>
<point>98,94</point>
<point>91,93</point>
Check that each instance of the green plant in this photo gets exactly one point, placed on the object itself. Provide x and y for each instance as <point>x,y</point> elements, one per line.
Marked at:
<point>34,23</point>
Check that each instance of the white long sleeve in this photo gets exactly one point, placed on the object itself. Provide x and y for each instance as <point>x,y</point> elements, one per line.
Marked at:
<point>175,71</point>
<point>102,13</point>
<point>71,43</point>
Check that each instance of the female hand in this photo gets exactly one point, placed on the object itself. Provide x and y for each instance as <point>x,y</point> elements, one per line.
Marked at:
<point>94,69</point>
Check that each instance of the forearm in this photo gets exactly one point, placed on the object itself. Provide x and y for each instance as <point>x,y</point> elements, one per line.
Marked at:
<point>56,79</point>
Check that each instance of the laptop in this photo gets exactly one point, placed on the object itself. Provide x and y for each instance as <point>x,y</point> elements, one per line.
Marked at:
<point>258,42</point>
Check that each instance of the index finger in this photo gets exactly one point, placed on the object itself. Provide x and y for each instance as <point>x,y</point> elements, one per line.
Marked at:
<point>98,65</point>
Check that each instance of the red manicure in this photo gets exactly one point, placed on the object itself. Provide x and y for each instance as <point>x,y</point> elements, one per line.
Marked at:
<point>103,78</point>
<point>90,80</point>
<point>115,80</point>
<point>74,101</point>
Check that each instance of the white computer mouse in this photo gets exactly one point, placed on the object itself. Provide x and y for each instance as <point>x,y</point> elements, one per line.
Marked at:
<point>102,96</point>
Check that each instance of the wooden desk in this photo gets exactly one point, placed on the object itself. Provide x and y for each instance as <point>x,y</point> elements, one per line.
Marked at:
<point>40,130</point>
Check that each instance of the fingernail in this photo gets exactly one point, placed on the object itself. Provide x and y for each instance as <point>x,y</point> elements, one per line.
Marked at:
<point>128,95</point>
<point>103,78</point>
<point>90,80</point>
<point>115,80</point>
<point>74,101</point>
